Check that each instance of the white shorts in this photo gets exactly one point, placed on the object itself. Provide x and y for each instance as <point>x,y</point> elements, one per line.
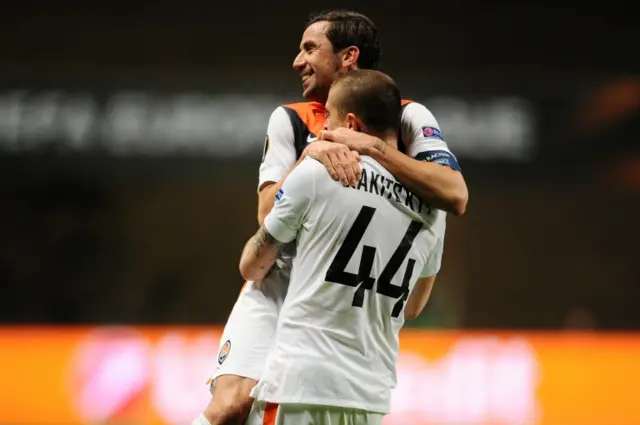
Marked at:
<point>251,327</point>
<point>263,413</point>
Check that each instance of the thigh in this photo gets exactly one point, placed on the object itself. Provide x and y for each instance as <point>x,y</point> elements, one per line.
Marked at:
<point>248,334</point>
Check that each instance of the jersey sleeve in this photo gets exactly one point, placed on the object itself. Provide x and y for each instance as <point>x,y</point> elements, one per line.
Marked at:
<point>279,153</point>
<point>423,136</point>
<point>432,266</point>
<point>294,200</point>
<point>434,260</point>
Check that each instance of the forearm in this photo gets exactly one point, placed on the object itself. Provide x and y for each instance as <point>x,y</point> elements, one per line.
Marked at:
<point>267,195</point>
<point>259,255</point>
<point>437,185</point>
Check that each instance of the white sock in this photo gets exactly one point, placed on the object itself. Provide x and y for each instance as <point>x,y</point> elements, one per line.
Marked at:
<point>200,420</point>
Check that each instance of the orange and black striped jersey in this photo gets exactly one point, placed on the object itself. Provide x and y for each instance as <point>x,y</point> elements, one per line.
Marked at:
<point>293,126</point>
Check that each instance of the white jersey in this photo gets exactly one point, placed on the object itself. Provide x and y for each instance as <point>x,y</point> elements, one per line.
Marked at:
<point>250,330</point>
<point>293,126</point>
<point>359,253</point>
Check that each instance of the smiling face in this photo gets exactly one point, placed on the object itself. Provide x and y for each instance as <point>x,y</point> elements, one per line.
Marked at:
<point>318,64</point>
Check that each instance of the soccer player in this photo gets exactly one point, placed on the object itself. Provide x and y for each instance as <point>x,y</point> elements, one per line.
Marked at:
<point>332,43</point>
<point>360,252</point>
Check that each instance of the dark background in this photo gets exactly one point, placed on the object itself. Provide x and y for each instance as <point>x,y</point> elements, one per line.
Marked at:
<point>130,138</point>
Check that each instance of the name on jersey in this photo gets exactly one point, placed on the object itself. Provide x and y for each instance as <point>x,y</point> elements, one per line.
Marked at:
<point>392,190</point>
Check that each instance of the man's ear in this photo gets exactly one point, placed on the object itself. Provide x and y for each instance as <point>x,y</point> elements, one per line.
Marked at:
<point>349,58</point>
<point>354,123</point>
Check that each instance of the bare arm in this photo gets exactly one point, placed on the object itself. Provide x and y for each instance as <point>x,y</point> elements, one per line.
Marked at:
<point>434,175</point>
<point>419,297</point>
<point>259,255</point>
<point>438,185</point>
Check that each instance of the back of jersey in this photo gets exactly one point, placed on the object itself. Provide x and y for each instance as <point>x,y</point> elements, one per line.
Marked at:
<point>359,253</point>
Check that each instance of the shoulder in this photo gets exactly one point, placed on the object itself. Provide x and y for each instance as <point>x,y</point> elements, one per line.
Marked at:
<point>417,111</point>
<point>308,180</point>
<point>279,117</point>
<point>303,107</point>
<point>301,110</point>
<point>311,169</point>
<point>307,112</point>
<point>312,175</point>
<point>418,122</point>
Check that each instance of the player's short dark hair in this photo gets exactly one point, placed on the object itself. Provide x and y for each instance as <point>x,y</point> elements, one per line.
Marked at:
<point>348,28</point>
<point>372,96</point>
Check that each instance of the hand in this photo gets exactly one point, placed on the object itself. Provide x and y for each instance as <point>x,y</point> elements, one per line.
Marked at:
<point>342,163</point>
<point>354,140</point>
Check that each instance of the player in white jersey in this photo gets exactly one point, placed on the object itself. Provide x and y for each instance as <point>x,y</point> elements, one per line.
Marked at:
<point>360,252</point>
<point>332,43</point>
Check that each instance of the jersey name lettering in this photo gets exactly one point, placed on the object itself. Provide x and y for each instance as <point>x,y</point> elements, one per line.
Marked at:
<point>380,185</point>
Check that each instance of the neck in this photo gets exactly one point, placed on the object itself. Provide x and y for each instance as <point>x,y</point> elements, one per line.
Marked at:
<point>388,139</point>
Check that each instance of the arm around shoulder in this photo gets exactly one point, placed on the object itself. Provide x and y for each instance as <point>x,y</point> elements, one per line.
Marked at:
<point>430,170</point>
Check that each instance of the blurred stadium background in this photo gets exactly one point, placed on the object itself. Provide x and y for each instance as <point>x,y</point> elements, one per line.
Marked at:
<point>130,139</point>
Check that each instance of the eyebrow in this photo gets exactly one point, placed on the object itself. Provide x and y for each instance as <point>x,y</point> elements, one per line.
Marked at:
<point>308,45</point>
